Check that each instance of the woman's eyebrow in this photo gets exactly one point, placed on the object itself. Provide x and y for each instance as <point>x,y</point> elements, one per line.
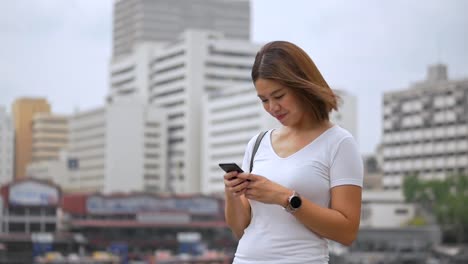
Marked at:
<point>274,92</point>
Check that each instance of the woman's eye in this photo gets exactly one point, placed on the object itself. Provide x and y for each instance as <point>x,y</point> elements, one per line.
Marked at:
<point>264,100</point>
<point>279,97</point>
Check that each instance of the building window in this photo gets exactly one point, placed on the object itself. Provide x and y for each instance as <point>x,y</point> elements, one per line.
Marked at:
<point>401,211</point>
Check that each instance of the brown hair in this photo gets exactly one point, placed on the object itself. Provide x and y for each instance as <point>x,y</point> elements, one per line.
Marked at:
<point>289,65</point>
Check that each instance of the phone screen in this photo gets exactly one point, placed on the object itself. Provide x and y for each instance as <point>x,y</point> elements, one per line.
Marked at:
<point>228,167</point>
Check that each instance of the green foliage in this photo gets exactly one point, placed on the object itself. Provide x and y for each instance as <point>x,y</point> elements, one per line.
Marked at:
<point>411,186</point>
<point>417,221</point>
<point>447,199</point>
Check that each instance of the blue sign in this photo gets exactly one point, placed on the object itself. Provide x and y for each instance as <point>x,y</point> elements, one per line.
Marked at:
<point>73,164</point>
<point>121,250</point>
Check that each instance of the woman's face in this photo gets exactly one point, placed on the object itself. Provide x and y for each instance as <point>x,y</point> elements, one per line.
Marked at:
<point>280,102</point>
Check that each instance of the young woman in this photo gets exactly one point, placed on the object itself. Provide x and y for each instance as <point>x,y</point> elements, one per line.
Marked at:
<point>306,182</point>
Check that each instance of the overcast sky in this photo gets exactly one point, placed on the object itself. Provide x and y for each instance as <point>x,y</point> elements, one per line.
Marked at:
<point>61,49</point>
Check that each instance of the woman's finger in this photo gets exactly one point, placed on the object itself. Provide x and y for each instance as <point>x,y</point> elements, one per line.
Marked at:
<point>230,175</point>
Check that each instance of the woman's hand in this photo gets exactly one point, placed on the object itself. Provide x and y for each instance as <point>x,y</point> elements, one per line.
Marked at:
<point>261,189</point>
<point>233,184</point>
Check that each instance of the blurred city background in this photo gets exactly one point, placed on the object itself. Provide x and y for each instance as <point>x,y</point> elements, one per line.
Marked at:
<point>114,116</point>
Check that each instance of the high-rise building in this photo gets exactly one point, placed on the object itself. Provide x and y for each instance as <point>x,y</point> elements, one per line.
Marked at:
<point>232,116</point>
<point>87,148</point>
<point>180,74</point>
<point>425,129</point>
<point>138,21</point>
<point>7,140</point>
<point>24,110</point>
<point>49,143</point>
<point>55,171</point>
<point>129,74</point>
<point>118,148</point>
<point>49,136</point>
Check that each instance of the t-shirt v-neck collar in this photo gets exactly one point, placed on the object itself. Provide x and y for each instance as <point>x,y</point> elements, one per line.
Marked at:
<point>301,149</point>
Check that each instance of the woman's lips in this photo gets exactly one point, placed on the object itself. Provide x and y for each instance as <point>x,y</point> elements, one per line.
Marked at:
<point>279,117</point>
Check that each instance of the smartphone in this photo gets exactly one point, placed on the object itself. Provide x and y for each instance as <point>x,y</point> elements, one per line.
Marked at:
<point>228,167</point>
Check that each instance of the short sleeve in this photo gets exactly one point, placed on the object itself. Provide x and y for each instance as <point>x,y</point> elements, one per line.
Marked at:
<point>347,165</point>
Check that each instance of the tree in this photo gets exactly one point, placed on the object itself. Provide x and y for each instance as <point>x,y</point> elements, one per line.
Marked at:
<point>447,199</point>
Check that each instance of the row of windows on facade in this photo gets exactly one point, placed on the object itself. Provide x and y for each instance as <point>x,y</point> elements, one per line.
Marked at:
<point>428,143</point>
<point>425,124</point>
<point>13,227</point>
<point>210,65</point>
<point>459,91</point>
<point>438,104</point>
<point>446,127</point>
<point>418,157</point>
<point>446,171</point>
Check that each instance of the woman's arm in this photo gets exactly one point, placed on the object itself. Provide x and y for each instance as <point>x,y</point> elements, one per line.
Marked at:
<point>340,222</point>
<point>237,207</point>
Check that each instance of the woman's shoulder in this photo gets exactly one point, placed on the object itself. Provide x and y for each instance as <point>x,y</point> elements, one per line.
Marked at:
<point>336,136</point>
<point>338,133</point>
<point>254,138</point>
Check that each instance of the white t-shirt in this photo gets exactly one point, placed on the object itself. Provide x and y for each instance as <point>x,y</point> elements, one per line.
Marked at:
<point>276,236</point>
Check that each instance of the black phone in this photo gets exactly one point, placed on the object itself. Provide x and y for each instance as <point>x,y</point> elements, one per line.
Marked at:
<point>228,167</point>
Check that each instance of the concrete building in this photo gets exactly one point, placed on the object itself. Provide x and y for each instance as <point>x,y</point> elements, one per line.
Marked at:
<point>232,116</point>
<point>346,116</point>
<point>425,129</point>
<point>138,21</point>
<point>373,173</point>
<point>49,136</point>
<point>7,151</point>
<point>118,148</point>
<point>129,73</point>
<point>385,209</point>
<point>87,147</point>
<point>24,110</point>
<point>55,171</point>
<point>181,73</point>
<point>49,144</point>
<point>31,222</point>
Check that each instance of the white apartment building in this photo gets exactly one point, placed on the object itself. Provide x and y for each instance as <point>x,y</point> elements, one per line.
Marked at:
<point>7,139</point>
<point>49,136</point>
<point>87,147</point>
<point>49,144</point>
<point>118,148</point>
<point>129,73</point>
<point>55,170</point>
<point>425,129</point>
<point>180,74</point>
<point>137,21</point>
<point>232,116</point>
<point>385,209</point>
<point>346,116</point>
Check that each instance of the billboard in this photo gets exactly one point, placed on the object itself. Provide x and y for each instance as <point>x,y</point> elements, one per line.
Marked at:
<point>112,205</point>
<point>32,193</point>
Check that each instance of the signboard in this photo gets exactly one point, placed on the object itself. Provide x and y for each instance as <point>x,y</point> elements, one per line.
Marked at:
<point>33,194</point>
<point>112,205</point>
<point>164,218</point>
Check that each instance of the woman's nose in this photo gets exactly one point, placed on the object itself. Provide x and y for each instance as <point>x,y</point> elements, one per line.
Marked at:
<point>274,105</point>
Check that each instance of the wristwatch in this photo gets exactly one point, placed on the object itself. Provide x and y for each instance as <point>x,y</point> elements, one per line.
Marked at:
<point>294,202</point>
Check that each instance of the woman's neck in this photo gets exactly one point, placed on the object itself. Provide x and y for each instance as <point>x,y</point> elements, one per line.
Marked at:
<point>306,129</point>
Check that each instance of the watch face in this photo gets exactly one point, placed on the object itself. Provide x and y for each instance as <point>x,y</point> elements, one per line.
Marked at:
<point>295,202</point>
